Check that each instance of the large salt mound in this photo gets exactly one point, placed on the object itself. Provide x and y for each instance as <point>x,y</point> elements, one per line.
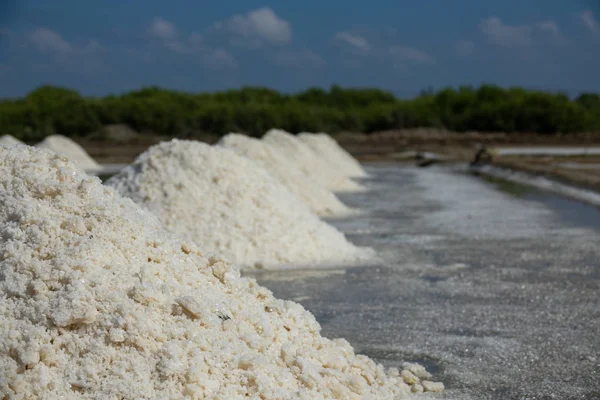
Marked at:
<point>330,150</point>
<point>320,199</point>
<point>99,302</point>
<point>296,151</point>
<point>8,140</point>
<point>231,206</point>
<point>68,148</point>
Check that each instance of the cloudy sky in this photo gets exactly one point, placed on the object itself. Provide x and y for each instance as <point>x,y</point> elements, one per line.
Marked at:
<point>404,46</point>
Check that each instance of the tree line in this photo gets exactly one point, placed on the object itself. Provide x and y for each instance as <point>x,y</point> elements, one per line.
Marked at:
<point>254,110</point>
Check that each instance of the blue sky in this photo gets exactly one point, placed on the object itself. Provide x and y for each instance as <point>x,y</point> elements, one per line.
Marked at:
<point>403,46</point>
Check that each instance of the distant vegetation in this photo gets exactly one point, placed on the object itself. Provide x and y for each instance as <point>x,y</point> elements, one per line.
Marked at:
<point>251,110</point>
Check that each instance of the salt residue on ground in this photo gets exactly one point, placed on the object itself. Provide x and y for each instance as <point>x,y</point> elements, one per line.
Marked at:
<point>8,140</point>
<point>73,151</point>
<point>329,150</point>
<point>468,207</point>
<point>299,153</point>
<point>320,199</point>
<point>230,206</point>
<point>100,302</point>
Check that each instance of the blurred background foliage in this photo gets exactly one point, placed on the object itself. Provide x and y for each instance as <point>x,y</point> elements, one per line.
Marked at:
<point>254,110</point>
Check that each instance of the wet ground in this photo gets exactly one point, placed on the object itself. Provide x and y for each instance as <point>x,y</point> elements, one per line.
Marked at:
<point>547,151</point>
<point>493,286</point>
<point>546,184</point>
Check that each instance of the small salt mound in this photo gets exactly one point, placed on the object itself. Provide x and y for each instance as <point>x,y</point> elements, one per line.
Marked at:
<point>68,148</point>
<point>231,207</point>
<point>99,302</point>
<point>8,140</point>
<point>321,200</point>
<point>299,153</point>
<point>330,150</point>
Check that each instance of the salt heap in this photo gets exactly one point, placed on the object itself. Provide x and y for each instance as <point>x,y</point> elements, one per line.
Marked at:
<point>8,140</point>
<point>320,200</point>
<point>231,207</point>
<point>330,150</point>
<point>99,302</point>
<point>68,148</point>
<point>299,153</point>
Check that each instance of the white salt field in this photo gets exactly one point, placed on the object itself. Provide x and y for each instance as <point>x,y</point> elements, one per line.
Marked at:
<point>547,151</point>
<point>303,200</point>
<point>320,199</point>
<point>574,165</point>
<point>541,182</point>
<point>313,164</point>
<point>68,148</point>
<point>232,207</point>
<point>101,301</point>
<point>8,140</point>
<point>497,308</point>
<point>491,286</point>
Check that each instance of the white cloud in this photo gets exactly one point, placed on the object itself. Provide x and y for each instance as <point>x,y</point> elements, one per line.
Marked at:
<point>52,43</point>
<point>590,22</point>
<point>551,28</point>
<point>220,58</point>
<point>166,33</point>
<point>354,41</point>
<point>403,53</point>
<point>521,36</point>
<point>261,25</point>
<point>505,35</point>
<point>196,38</point>
<point>176,46</point>
<point>305,58</point>
<point>464,47</point>
<point>162,29</point>
<point>81,56</point>
<point>93,46</point>
<point>169,37</point>
<point>48,41</point>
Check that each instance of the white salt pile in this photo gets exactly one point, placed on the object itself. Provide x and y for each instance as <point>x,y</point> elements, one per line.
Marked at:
<point>330,150</point>
<point>68,148</point>
<point>231,207</point>
<point>8,140</point>
<point>320,199</point>
<point>299,153</point>
<point>99,302</point>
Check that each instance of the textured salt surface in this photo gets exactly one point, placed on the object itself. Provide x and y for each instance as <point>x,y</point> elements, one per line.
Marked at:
<point>320,199</point>
<point>299,153</point>
<point>330,151</point>
<point>68,148</point>
<point>546,151</point>
<point>231,207</point>
<point>479,211</point>
<point>541,182</point>
<point>507,316</point>
<point>8,140</point>
<point>100,302</point>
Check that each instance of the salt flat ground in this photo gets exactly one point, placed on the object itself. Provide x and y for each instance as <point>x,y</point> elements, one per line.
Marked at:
<point>494,288</point>
<point>547,150</point>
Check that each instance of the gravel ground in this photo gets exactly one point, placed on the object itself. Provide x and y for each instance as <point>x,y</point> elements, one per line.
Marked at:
<point>495,292</point>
